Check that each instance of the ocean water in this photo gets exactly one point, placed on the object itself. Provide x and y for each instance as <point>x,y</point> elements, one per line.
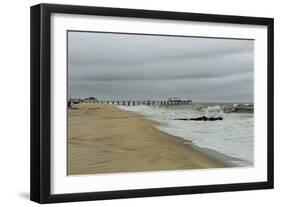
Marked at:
<point>233,136</point>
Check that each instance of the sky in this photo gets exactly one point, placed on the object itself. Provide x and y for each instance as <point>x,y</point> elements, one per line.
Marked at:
<point>115,66</point>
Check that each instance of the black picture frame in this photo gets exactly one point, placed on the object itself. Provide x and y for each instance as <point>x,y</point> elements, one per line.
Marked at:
<point>40,184</point>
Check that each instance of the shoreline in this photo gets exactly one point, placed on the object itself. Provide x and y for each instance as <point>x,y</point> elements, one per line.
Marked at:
<point>220,157</point>
<point>105,139</point>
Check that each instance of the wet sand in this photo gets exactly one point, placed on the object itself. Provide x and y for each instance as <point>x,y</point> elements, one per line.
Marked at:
<point>104,139</point>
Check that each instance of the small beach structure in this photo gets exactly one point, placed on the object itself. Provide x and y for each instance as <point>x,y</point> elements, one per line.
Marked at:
<point>73,101</point>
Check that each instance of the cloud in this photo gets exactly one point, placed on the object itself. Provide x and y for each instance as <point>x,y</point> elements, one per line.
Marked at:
<point>122,66</point>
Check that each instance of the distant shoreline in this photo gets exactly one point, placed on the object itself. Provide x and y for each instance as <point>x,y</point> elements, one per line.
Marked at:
<point>104,139</point>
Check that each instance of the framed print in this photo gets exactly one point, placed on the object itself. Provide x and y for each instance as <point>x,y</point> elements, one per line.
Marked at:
<point>133,103</point>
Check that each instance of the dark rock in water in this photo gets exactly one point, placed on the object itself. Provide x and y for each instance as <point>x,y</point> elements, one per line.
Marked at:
<point>202,118</point>
<point>215,119</point>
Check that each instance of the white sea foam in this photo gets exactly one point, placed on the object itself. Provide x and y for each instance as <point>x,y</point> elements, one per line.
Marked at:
<point>214,112</point>
<point>233,136</point>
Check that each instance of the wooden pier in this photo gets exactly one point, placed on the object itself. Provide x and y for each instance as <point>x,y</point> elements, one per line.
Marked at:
<point>147,102</point>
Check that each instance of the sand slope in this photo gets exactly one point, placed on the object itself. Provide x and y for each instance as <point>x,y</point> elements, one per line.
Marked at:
<point>104,139</point>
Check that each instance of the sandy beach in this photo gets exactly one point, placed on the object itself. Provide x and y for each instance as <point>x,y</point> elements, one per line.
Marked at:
<point>104,139</point>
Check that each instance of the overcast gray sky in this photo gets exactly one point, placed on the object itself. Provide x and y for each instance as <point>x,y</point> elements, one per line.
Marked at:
<point>113,66</point>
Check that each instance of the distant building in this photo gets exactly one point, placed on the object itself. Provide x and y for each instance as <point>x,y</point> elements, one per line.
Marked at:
<point>90,99</point>
<point>175,100</point>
